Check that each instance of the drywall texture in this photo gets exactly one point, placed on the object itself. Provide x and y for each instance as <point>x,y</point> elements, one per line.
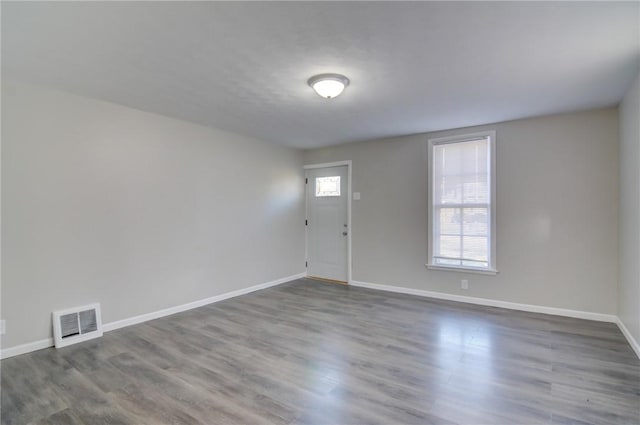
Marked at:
<point>629,287</point>
<point>103,203</point>
<point>557,212</point>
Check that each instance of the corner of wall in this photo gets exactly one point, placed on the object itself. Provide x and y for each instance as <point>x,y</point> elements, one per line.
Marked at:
<point>629,216</point>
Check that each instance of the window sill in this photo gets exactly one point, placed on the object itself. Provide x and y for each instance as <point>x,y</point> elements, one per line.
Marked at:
<point>490,272</point>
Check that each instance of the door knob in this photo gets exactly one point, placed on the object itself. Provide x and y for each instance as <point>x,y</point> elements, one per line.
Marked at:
<point>344,233</point>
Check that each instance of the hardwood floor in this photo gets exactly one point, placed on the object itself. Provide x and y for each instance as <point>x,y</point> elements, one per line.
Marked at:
<point>309,352</point>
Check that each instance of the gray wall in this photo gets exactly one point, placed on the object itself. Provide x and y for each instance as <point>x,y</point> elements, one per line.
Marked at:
<point>102,203</point>
<point>629,289</point>
<point>557,212</point>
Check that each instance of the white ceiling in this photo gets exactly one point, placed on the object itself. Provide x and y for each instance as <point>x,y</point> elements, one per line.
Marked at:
<point>414,66</point>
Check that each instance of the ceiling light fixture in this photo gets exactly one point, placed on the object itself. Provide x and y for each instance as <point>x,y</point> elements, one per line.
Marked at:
<point>328,85</point>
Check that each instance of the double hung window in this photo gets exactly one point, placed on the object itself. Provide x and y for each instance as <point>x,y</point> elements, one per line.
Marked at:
<point>462,202</point>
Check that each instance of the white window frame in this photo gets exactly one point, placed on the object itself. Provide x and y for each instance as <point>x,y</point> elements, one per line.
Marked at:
<point>491,269</point>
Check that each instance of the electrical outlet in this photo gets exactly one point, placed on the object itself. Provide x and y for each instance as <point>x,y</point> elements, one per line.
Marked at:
<point>3,327</point>
<point>464,284</point>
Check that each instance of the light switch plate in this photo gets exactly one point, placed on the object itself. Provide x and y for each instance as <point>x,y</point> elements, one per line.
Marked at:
<point>356,196</point>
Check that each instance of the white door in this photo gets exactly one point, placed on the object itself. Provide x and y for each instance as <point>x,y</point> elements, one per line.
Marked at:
<point>327,222</point>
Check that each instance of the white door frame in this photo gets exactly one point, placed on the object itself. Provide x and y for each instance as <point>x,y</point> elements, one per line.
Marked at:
<point>349,196</point>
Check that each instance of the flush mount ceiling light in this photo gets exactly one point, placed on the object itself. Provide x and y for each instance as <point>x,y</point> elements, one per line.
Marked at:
<point>328,85</point>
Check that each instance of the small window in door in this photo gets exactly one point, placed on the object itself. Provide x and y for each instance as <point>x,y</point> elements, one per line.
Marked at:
<point>328,186</point>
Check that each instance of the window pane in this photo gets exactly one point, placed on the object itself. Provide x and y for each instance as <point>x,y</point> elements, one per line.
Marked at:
<point>475,221</point>
<point>449,223</point>
<point>479,264</point>
<point>328,186</point>
<point>449,246</point>
<point>447,262</point>
<point>461,172</point>
<point>475,248</point>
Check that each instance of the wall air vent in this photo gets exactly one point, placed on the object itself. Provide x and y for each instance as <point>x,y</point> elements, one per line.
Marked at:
<point>76,325</point>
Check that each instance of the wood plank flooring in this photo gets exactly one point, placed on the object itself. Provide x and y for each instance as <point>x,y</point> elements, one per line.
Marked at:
<point>309,352</point>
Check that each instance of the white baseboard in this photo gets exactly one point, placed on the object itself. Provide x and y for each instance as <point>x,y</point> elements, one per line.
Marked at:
<point>45,343</point>
<point>513,306</point>
<point>632,341</point>
<point>48,342</point>
<point>26,348</point>
<point>492,303</point>
<point>195,304</point>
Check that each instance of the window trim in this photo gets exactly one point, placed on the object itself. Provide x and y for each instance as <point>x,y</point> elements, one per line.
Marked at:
<point>491,270</point>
